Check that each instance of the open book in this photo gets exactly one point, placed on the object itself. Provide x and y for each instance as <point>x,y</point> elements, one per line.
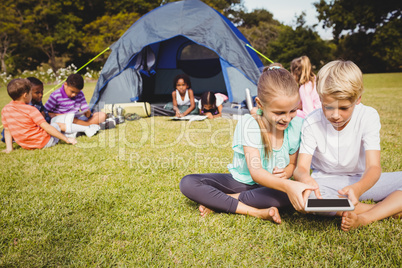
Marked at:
<point>191,117</point>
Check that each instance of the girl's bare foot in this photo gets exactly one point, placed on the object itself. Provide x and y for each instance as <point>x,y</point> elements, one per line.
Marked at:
<point>204,211</point>
<point>271,214</point>
<point>351,220</point>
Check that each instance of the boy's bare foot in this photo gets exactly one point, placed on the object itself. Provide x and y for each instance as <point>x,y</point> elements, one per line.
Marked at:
<point>397,216</point>
<point>351,220</point>
<point>271,214</point>
<point>204,211</point>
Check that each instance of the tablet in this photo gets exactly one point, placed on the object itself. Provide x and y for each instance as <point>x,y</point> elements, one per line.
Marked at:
<point>328,205</point>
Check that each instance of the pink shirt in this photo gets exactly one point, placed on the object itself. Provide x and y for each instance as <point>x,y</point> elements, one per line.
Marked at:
<point>309,99</point>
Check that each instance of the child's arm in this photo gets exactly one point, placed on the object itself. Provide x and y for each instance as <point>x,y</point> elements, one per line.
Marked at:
<point>219,111</point>
<point>9,141</point>
<point>88,113</point>
<point>302,174</point>
<point>174,101</point>
<point>192,102</point>
<point>370,176</point>
<point>57,134</point>
<point>293,189</point>
<point>287,172</point>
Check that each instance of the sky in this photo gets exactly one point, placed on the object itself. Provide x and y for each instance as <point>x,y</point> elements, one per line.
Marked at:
<point>286,11</point>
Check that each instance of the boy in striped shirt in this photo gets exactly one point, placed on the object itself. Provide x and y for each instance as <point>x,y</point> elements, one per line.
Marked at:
<point>70,99</point>
<point>25,124</point>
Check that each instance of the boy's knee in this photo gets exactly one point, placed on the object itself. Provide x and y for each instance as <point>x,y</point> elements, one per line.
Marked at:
<point>101,116</point>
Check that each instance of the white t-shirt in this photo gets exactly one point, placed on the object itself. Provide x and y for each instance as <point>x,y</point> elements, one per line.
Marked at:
<point>180,101</point>
<point>340,152</point>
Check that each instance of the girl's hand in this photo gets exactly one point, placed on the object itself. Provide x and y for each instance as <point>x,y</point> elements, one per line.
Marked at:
<point>296,193</point>
<point>280,173</point>
<point>350,193</point>
<point>310,181</point>
<point>209,115</point>
<point>178,114</point>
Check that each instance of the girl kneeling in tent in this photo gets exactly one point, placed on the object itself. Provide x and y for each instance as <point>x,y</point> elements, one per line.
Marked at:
<point>182,97</point>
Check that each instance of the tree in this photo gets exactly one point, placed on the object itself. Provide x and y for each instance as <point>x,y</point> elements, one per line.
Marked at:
<point>303,40</point>
<point>366,29</point>
<point>52,26</point>
<point>260,29</point>
<point>106,30</point>
<point>10,24</point>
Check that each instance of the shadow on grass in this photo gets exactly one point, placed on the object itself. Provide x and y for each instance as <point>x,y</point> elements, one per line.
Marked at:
<point>290,217</point>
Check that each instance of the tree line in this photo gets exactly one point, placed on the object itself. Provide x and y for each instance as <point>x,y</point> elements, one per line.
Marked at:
<point>54,33</point>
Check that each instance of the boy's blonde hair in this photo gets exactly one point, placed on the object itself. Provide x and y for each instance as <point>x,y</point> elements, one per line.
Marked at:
<point>274,81</point>
<point>18,87</point>
<point>340,79</point>
<point>302,71</point>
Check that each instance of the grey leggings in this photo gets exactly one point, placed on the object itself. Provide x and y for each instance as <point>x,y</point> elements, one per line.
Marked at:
<point>211,190</point>
<point>329,186</point>
<point>387,183</point>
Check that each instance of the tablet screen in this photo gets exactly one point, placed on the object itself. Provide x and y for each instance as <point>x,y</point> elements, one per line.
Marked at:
<point>313,203</point>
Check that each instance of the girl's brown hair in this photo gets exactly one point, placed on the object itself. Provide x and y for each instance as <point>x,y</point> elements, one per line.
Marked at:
<point>302,71</point>
<point>273,82</point>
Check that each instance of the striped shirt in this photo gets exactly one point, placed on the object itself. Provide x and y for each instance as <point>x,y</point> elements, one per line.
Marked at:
<point>60,103</point>
<point>23,121</point>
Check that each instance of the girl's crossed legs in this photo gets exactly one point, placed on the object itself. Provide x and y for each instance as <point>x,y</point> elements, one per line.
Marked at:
<point>213,191</point>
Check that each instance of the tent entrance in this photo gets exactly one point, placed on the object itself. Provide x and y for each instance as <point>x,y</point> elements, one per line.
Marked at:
<point>180,55</point>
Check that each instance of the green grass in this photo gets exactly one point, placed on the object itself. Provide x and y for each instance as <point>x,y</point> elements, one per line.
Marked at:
<point>114,200</point>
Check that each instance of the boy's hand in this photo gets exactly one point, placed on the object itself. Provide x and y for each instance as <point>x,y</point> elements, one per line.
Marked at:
<point>88,114</point>
<point>350,193</point>
<point>279,172</point>
<point>71,141</point>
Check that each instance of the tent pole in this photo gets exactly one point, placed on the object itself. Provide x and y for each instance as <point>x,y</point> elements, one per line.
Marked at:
<point>52,89</point>
<point>259,53</point>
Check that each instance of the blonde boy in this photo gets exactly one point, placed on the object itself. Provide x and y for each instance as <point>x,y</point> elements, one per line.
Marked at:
<point>341,142</point>
<point>25,123</point>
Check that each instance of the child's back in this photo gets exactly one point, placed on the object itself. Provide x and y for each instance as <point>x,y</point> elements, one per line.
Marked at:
<point>304,76</point>
<point>23,121</point>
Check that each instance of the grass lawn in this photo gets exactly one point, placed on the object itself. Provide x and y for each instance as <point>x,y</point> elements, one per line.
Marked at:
<point>114,200</point>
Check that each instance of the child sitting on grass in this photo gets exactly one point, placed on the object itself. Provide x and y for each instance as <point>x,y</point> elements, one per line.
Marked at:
<point>67,119</point>
<point>70,99</point>
<point>265,151</point>
<point>25,124</point>
<point>37,94</point>
<point>341,142</point>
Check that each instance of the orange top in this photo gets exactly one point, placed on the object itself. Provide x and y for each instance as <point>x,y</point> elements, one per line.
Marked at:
<point>23,120</point>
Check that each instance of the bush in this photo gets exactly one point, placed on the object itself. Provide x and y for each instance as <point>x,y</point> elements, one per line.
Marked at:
<point>48,76</point>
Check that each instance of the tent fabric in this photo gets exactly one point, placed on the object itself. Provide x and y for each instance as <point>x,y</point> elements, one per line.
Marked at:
<point>158,37</point>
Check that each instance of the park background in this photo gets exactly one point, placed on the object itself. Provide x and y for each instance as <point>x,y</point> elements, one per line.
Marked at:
<point>113,199</point>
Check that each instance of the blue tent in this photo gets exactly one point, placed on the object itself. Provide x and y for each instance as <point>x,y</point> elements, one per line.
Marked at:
<point>179,37</point>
